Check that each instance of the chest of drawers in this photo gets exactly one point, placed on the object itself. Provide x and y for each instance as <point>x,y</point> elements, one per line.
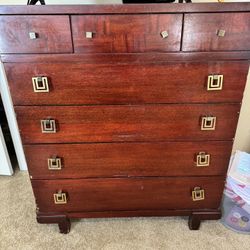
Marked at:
<point>126,110</point>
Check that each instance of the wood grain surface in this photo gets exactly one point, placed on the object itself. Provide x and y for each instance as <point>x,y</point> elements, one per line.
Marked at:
<point>124,123</point>
<point>127,159</point>
<point>53,34</point>
<point>128,194</point>
<point>200,32</point>
<point>109,83</point>
<point>126,8</point>
<point>126,34</point>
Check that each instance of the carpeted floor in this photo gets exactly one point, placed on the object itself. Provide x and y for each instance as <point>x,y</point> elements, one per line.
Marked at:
<point>19,230</point>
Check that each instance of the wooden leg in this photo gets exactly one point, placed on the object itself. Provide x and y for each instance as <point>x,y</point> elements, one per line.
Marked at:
<point>194,222</point>
<point>62,220</point>
<point>64,226</point>
<point>196,217</point>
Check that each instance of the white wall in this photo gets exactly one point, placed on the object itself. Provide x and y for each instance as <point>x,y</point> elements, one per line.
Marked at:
<point>64,1</point>
<point>96,1</point>
<point>5,164</point>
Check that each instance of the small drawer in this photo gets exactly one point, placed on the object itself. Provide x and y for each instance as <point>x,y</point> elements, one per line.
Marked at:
<point>55,161</point>
<point>216,32</point>
<point>128,194</point>
<point>128,123</point>
<point>35,34</point>
<point>126,33</point>
<point>82,83</point>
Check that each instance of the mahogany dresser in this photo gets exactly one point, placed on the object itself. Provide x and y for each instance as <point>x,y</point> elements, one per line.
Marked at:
<point>126,110</point>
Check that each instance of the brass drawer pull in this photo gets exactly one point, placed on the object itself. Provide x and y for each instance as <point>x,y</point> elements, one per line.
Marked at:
<point>60,197</point>
<point>221,33</point>
<point>214,82</point>
<point>33,35</point>
<point>208,122</point>
<point>202,159</point>
<point>48,126</point>
<point>40,84</point>
<point>55,163</point>
<point>198,194</point>
<point>164,34</point>
<point>89,35</point>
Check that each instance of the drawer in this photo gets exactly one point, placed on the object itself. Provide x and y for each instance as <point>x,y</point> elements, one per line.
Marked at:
<point>81,83</point>
<point>52,161</point>
<point>216,32</point>
<point>126,123</point>
<point>127,194</point>
<point>35,34</point>
<point>126,33</point>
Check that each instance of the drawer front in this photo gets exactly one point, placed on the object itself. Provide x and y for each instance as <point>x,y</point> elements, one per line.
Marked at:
<point>214,32</point>
<point>126,123</point>
<point>127,159</point>
<point>128,194</point>
<point>81,83</point>
<point>126,33</point>
<point>35,34</point>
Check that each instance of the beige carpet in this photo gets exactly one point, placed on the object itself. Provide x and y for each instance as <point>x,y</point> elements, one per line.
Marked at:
<point>19,230</point>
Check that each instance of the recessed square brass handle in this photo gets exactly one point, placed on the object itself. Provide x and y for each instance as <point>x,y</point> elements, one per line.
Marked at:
<point>55,163</point>
<point>214,82</point>
<point>208,123</point>
<point>60,197</point>
<point>40,84</point>
<point>202,159</point>
<point>198,194</point>
<point>48,126</point>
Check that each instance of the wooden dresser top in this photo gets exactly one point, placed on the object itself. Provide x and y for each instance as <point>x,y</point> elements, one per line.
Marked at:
<point>125,8</point>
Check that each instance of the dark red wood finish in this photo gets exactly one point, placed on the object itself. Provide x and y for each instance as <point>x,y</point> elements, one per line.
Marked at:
<point>122,123</point>
<point>196,217</point>
<point>128,120</point>
<point>129,58</point>
<point>169,82</point>
<point>200,32</point>
<point>125,8</point>
<point>126,33</point>
<point>53,34</point>
<point>63,219</point>
<point>128,194</point>
<point>127,159</point>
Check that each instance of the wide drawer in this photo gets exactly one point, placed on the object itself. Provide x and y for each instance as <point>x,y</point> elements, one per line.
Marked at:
<point>216,32</point>
<point>48,124</point>
<point>35,34</point>
<point>128,159</point>
<point>126,33</point>
<point>107,83</point>
<point>127,194</point>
